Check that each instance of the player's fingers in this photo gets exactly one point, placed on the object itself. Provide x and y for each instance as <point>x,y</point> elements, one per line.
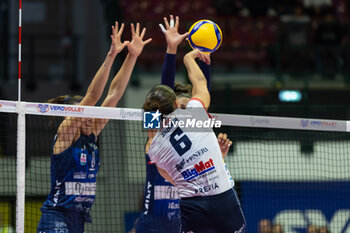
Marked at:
<point>183,36</point>
<point>162,28</point>
<point>132,30</point>
<point>224,137</point>
<point>166,23</point>
<point>177,22</point>
<point>120,32</point>
<point>143,33</point>
<point>207,59</point>
<point>228,143</point>
<point>220,137</point>
<point>172,23</point>
<point>137,28</point>
<point>147,41</point>
<point>116,25</point>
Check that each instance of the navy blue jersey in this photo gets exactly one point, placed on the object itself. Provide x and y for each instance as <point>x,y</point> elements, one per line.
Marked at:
<point>73,177</point>
<point>160,197</point>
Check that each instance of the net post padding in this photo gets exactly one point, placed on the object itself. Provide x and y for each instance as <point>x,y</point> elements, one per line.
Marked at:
<point>21,157</point>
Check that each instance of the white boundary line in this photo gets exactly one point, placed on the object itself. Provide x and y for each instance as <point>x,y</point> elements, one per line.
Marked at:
<point>133,114</point>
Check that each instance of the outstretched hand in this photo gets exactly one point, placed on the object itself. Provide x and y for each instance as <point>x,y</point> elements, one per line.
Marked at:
<point>205,57</point>
<point>116,44</point>
<point>224,144</point>
<point>172,35</point>
<point>137,43</point>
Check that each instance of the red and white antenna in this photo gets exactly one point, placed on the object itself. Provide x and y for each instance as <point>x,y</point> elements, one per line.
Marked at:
<point>19,48</point>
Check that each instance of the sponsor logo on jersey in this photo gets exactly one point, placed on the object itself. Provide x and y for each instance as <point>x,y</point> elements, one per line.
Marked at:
<point>84,199</point>
<point>83,159</point>
<point>199,169</point>
<point>206,188</point>
<point>79,175</point>
<point>151,120</point>
<point>173,206</point>
<point>164,192</point>
<point>77,188</point>
<point>192,157</point>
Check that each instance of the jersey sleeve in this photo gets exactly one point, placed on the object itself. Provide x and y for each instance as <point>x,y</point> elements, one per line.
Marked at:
<point>168,70</point>
<point>152,154</point>
<point>207,73</point>
<point>196,103</point>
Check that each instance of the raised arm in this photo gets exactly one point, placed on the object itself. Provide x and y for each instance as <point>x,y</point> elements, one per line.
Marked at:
<point>99,81</point>
<point>173,39</point>
<point>70,127</point>
<point>196,76</point>
<point>121,79</point>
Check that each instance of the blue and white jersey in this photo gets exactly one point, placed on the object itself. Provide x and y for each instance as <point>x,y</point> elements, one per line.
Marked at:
<point>73,177</point>
<point>161,197</point>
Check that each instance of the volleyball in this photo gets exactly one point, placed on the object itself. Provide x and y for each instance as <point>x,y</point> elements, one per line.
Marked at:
<point>205,35</point>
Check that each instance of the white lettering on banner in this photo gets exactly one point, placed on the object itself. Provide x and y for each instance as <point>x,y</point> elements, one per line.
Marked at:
<point>162,192</point>
<point>76,188</point>
<point>292,220</point>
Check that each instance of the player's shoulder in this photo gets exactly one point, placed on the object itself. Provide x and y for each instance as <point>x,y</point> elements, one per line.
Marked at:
<point>154,145</point>
<point>195,103</point>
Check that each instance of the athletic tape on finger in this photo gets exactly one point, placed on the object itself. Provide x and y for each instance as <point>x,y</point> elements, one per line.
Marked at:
<point>172,23</point>
<point>162,28</point>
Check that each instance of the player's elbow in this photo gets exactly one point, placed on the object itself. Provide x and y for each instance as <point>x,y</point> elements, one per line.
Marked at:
<point>93,97</point>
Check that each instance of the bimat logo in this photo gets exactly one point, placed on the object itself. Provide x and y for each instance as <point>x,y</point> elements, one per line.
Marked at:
<point>199,169</point>
<point>151,120</point>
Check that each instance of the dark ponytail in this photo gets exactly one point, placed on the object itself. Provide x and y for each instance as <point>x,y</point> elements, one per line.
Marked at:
<point>160,97</point>
<point>55,121</point>
<point>183,90</point>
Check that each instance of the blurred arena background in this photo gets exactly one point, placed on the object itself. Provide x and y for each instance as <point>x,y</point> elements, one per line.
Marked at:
<point>268,46</point>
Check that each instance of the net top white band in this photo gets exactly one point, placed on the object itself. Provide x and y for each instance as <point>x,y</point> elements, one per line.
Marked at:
<point>46,109</point>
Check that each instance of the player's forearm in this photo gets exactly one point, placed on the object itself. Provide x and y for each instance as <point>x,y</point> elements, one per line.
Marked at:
<point>195,74</point>
<point>99,81</point>
<point>122,78</point>
<point>168,71</point>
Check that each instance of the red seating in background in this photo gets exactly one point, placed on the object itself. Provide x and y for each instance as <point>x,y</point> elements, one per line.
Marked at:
<point>245,39</point>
